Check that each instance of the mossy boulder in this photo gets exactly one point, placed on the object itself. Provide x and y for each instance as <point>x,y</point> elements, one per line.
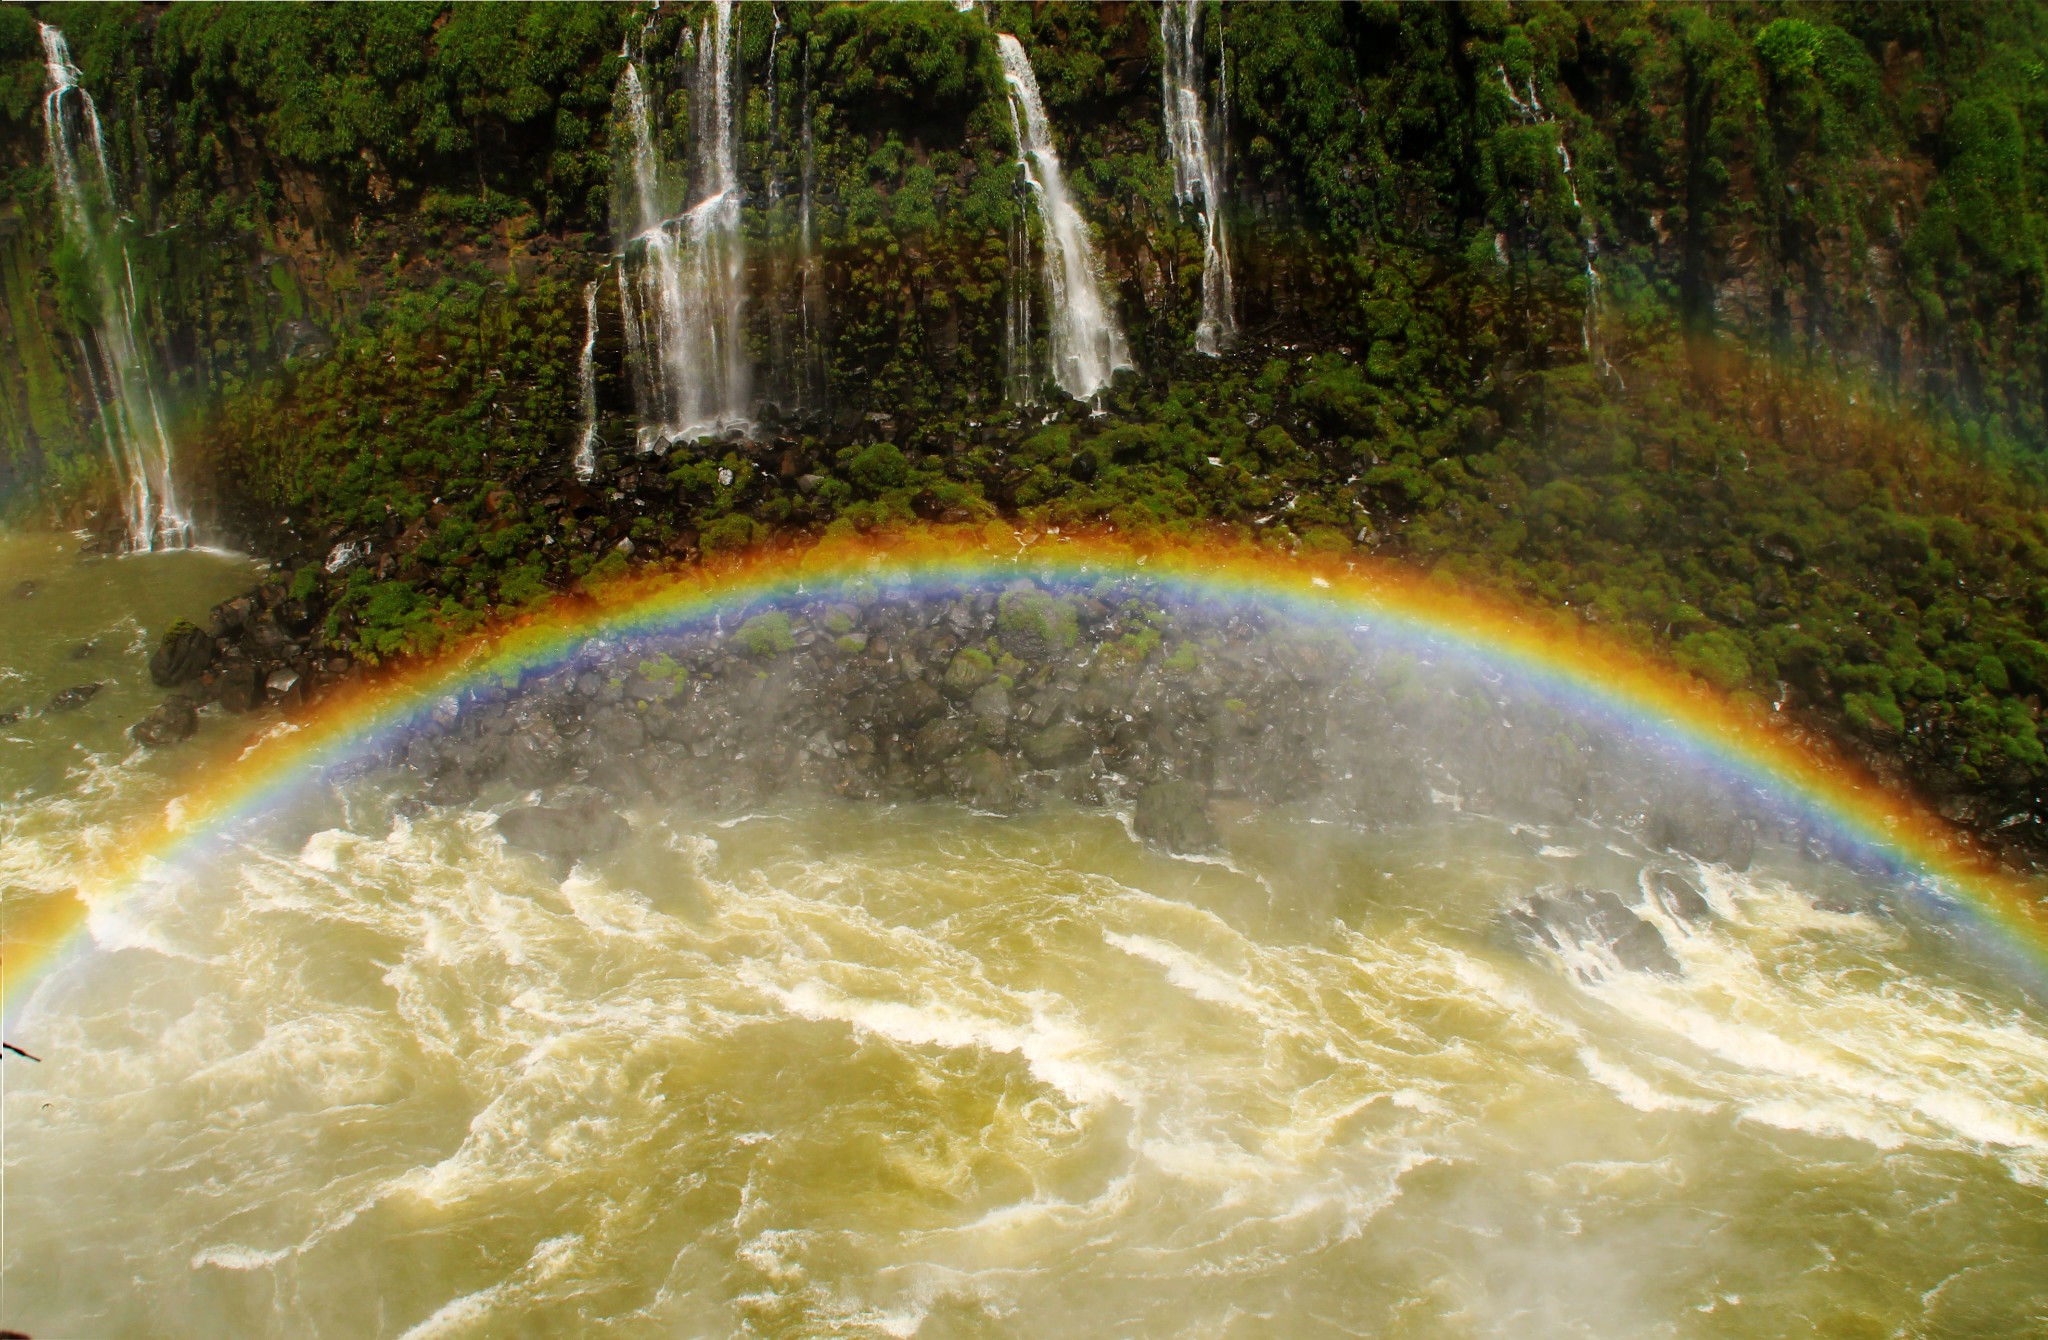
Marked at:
<point>181,655</point>
<point>968,671</point>
<point>1035,626</point>
<point>765,635</point>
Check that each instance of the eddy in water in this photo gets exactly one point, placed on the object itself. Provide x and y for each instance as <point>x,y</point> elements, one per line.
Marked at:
<point>990,954</point>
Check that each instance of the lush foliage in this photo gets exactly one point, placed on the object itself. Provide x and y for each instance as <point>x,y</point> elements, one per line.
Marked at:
<point>1489,257</point>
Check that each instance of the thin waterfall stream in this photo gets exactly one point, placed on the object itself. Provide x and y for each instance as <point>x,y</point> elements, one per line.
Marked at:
<point>124,380</point>
<point>1197,174</point>
<point>1085,345</point>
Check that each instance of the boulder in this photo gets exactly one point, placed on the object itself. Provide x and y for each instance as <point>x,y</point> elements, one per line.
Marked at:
<point>1594,919</point>
<point>228,618</point>
<point>563,832</point>
<point>286,688</point>
<point>174,719</point>
<point>1175,815</point>
<point>968,671</point>
<point>73,698</point>
<point>240,686</point>
<point>1059,744</point>
<point>982,779</point>
<point>1034,626</point>
<point>181,656</point>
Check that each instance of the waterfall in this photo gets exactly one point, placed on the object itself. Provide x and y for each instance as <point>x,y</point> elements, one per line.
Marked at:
<point>1086,345</point>
<point>123,383</point>
<point>682,282</point>
<point>1197,179</point>
<point>1532,111</point>
<point>586,385</point>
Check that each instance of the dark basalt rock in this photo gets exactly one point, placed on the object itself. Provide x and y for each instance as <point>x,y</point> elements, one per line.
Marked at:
<point>73,698</point>
<point>173,720</point>
<point>982,779</point>
<point>239,687</point>
<point>228,618</point>
<point>12,715</point>
<point>1175,815</point>
<point>182,655</point>
<point>1059,744</point>
<point>563,832</point>
<point>1594,918</point>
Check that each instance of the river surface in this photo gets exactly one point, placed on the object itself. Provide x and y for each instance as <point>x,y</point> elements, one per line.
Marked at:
<point>837,1069</point>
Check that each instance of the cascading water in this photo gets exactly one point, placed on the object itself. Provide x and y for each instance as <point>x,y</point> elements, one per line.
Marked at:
<point>682,283</point>
<point>586,385</point>
<point>130,407</point>
<point>1086,344</point>
<point>1197,179</point>
<point>1532,111</point>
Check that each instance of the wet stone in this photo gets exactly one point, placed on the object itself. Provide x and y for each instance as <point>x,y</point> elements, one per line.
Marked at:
<point>1679,896</point>
<point>1175,815</point>
<point>73,698</point>
<point>1594,919</point>
<point>174,720</point>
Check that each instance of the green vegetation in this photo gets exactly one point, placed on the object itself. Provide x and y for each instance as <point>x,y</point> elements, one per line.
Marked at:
<point>765,634</point>
<point>366,232</point>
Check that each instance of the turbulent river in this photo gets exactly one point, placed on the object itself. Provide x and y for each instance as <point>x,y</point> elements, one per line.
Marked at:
<point>868,1069</point>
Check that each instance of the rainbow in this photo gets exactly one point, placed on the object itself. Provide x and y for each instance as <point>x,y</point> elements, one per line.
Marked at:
<point>1550,652</point>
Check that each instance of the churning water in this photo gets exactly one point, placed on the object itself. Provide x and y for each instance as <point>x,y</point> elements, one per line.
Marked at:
<point>833,1068</point>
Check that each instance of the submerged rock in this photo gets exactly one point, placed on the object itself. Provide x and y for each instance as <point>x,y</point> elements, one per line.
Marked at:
<point>1176,816</point>
<point>73,698</point>
<point>1594,919</point>
<point>1680,896</point>
<point>1700,827</point>
<point>173,720</point>
<point>563,832</point>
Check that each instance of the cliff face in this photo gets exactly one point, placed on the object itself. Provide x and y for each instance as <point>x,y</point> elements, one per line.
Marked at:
<point>1480,255</point>
<point>1844,184</point>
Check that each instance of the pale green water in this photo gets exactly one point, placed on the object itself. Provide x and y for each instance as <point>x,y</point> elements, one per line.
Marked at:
<point>865,1071</point>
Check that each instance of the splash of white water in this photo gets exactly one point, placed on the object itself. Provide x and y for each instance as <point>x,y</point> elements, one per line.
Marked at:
<point>1197,181</point>
<point>682,286</point>
<point>123,383</point>
<point>1087,345</point>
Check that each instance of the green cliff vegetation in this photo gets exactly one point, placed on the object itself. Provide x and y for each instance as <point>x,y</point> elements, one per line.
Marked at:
<point>1787,425</point>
